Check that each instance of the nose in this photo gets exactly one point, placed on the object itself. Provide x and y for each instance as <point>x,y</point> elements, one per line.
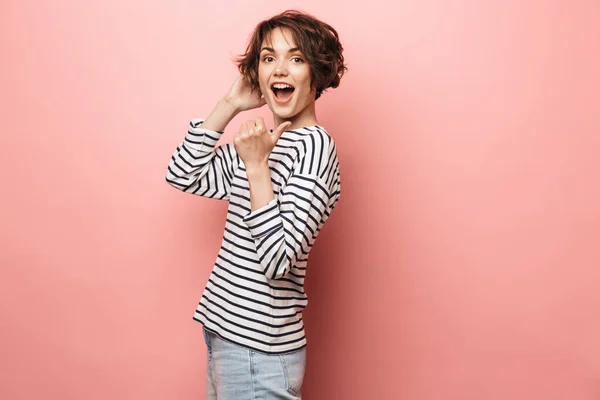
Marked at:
<point>280,69</point>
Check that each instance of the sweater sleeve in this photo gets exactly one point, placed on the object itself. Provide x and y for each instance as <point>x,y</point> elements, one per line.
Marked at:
<point>200,168</point>
<point>285,229</point>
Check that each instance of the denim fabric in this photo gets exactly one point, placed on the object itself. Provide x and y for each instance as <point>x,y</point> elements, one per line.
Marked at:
<point>235,372</point>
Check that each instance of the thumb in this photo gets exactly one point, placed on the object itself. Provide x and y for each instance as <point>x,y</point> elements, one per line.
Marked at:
<point>277,132</point>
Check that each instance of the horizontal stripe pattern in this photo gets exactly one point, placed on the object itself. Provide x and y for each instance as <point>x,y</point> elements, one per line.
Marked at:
<point>254,296</point>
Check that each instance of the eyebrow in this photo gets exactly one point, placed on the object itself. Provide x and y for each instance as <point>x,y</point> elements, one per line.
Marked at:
<point>293,49</point>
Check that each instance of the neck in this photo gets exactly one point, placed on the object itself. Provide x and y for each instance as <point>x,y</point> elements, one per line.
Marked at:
<point>306,117</point>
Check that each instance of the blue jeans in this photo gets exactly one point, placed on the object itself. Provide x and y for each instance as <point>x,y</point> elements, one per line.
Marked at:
<point>236,372</point>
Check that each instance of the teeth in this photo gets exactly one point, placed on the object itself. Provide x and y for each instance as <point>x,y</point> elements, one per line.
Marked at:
<point>282,86</point>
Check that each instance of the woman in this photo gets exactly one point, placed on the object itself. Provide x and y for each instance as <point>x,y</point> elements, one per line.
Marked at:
<point>282,185</point>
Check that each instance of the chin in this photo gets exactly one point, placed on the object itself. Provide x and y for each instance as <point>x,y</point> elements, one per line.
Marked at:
<point>283,114</point>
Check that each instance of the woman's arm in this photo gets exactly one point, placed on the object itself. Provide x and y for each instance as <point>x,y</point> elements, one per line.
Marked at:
<point>197,165</point>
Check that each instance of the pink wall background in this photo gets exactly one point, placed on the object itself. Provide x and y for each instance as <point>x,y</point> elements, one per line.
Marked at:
<point>463,261</point>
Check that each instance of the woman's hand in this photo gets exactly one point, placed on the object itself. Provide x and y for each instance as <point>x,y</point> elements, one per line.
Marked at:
<point>242,98</point>
<point>253,143</point>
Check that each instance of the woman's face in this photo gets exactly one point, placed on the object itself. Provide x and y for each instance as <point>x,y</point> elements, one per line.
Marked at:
<point>281,62</point>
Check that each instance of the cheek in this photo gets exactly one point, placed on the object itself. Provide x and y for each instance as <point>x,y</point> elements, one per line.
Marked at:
<point>306,84</point>
<point>262,84</point>
<point>306,89</point>
<point>261,75</point>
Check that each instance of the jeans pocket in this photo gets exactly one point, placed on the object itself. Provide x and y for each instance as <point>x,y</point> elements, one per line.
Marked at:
<point>206,337</point>
<point>209,357</point>
<point>294,365</point>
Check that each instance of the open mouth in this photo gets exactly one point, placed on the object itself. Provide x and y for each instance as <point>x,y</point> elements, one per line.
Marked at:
<point>282,92</point>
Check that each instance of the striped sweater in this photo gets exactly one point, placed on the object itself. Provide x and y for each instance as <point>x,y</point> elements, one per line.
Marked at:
<point>255,295</point>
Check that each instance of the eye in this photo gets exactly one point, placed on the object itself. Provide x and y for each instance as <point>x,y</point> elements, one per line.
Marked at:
<point>300,60</point>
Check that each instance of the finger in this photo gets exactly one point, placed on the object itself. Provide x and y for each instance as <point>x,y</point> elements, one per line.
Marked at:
<point>260,124</point>
<point>280,129</point>
<point>243,132</point>
<point>251,127</point>
<point>243,128</point>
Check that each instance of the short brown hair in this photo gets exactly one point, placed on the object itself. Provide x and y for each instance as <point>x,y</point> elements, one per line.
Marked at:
<point>318,41</point>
